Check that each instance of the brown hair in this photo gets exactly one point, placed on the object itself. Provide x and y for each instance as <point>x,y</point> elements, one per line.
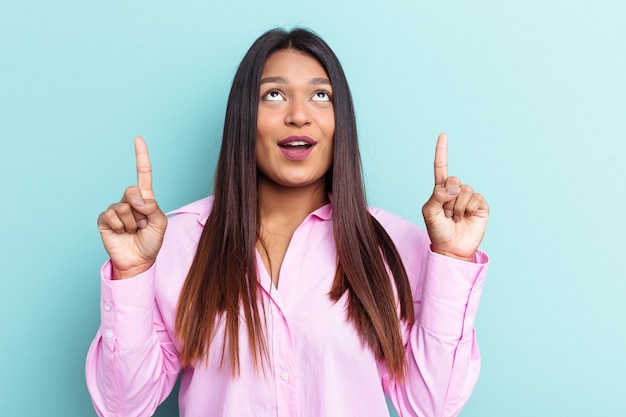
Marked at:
<point>222,280</point>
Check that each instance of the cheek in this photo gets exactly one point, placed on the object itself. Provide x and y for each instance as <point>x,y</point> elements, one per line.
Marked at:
<point>265,122</point>
<point>330,124</point>
<point>326,123</point>
<point>265,132</point>
<point>331,134</point>
<point>261,128</point>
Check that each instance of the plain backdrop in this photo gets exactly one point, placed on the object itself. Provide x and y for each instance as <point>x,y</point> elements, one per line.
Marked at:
<point>532,94</point>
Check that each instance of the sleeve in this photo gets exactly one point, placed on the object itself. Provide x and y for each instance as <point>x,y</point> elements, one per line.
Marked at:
<point>443,361</point>
<point>132,364</point>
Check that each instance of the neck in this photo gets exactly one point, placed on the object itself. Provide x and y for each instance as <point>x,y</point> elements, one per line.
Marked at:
<point>289,205</point>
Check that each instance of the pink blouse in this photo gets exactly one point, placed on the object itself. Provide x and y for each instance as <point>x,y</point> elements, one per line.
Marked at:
<point>318,365</point>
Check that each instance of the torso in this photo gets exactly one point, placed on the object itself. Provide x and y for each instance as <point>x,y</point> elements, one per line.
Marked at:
<point>272,247</point>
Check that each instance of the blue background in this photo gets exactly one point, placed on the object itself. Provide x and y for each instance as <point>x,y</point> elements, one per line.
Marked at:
<point>532,94</point>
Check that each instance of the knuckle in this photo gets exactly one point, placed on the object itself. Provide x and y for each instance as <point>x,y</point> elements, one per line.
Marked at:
<point>110,215</point>
<point>480,200</point>
<point>109,219</point>
<point>144,169</point>
<point>151,204</point>
<point>130,191</point>
<point>123,208</point>
<point>130,227</point>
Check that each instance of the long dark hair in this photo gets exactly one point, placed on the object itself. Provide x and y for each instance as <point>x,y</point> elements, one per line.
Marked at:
<point>222,280</point>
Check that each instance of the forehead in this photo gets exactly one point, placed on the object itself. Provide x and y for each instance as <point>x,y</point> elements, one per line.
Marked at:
<point>293,65</point>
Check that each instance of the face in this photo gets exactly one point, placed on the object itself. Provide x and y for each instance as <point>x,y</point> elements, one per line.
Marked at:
<point>296,121</point>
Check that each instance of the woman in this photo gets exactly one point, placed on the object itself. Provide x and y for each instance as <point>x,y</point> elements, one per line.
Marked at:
<point>284,294</point>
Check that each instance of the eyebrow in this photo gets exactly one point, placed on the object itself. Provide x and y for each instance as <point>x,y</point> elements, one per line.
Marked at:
<point>283,80</point>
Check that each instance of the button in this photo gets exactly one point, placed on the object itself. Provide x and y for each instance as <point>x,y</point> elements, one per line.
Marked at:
<point>107,307</point>
<point>284,376</point>
<point>109,333</point>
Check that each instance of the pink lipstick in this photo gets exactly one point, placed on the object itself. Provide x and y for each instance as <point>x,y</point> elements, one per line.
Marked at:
<point>297,148</point>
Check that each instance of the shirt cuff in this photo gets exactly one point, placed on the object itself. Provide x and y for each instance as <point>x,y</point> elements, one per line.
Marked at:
<point>126,309</point>
<point>452,290</point>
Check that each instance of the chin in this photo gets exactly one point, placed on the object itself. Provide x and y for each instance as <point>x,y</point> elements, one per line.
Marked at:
<point>301,182</point>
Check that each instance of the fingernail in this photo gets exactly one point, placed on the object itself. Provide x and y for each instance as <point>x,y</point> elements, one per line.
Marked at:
<point>454,190</point>
<point>456,218</point>
<point>448,213</point>
<point>143,223</point>
<point>138,202</point>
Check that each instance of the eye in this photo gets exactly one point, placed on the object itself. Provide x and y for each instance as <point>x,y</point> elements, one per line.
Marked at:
<point>322,95</point>
<point>273,95</point>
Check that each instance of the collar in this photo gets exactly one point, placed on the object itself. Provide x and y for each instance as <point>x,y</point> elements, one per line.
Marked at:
<point>203,209</point>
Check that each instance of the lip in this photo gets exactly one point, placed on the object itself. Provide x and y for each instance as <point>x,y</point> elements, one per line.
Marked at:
<point>297,153</point>
<point>291,139</point>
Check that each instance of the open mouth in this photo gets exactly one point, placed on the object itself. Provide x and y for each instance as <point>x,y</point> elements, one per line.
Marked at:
<point>299,144</point>
<point>297,148</point>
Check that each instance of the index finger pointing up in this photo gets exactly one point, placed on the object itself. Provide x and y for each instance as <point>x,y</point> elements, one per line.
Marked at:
<point>144,169</point>
<point>441,159</point>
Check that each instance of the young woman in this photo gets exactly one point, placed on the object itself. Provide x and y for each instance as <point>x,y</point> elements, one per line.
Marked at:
<point>284,294</point>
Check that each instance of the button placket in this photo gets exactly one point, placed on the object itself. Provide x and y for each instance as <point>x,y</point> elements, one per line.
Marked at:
<point>284,365</point>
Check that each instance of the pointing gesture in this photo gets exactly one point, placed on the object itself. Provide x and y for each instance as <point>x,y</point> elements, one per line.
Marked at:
<point>455,216</point>
<point>132,230</point>
<point>144,169</point>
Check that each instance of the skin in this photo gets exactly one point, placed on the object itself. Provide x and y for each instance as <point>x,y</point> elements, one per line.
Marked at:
<point>455,216</point>
<point>132,229</point>
<point>295,100</point>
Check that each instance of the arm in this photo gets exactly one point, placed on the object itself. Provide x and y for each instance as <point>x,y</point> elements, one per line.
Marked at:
<point>442,356</point>
<point>131,366</point>
<point>132,363</point>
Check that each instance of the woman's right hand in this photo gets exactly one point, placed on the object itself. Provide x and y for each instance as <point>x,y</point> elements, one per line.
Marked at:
<point>132,230</point>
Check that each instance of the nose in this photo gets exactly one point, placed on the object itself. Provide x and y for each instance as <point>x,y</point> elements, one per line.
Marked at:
<point>297,114</point>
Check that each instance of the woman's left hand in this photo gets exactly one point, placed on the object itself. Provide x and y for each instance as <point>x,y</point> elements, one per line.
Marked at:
<point>455,216</point>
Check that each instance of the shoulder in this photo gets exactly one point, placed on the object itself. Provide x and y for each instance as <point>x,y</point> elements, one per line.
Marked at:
<point>199,209</point>
<point>411,241</point>
<point>180,243</point>
<point>187,222</point>
<point>398,227</point>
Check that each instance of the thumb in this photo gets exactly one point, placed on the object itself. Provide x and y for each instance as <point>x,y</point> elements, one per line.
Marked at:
<point>440,196</point>
<point>148,210</point>
<point>443,194</point>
